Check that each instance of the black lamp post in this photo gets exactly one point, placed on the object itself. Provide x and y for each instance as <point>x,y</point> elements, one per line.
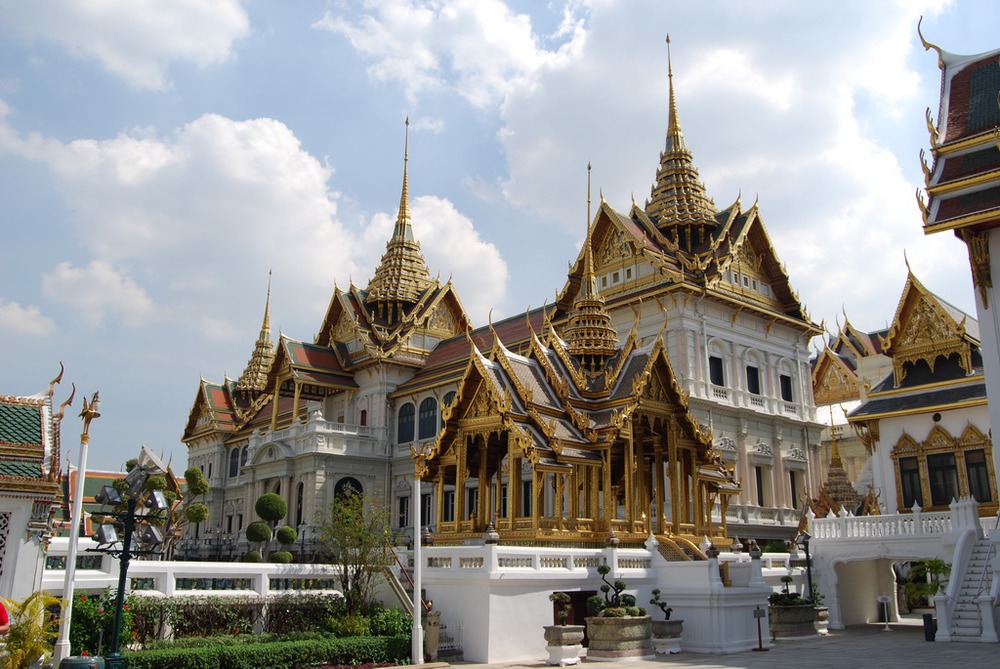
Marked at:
<point>218,544</point>
<point>148,539</point>
<point>803,542</point>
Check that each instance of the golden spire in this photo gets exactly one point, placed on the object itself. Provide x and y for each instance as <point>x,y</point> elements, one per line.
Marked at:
<point>254,377</point>
<point>678,203</point>
<point>402,276</point>
<point>590,335</point>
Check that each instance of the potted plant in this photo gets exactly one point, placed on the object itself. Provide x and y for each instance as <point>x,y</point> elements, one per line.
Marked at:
<point>790,615</point>
<point>666,632</point>
<point>564,641</point>
<point>618,629</point>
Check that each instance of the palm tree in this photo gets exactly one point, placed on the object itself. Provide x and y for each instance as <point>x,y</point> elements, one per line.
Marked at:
<point>33,629</point>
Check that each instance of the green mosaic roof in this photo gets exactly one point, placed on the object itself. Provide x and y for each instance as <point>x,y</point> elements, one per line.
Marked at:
<point>20,469</point>
<point>20,424</point>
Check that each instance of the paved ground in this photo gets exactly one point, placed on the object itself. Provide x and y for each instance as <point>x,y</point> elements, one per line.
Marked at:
<point>863,646</point>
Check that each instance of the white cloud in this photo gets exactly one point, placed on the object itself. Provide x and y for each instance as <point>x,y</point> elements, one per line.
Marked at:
<point>479,48</point>
<point>99,290</point>
<point>18,319</point>
<point>133,39</point>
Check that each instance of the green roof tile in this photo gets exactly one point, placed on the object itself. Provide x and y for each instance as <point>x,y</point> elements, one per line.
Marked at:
<point>20,424</point>
<point>20,469</point>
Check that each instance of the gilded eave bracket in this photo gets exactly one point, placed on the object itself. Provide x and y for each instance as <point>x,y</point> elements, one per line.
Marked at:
<point>979,260</point>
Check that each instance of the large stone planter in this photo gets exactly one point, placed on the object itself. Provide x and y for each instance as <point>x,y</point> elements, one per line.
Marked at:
<point>625,638</point>
<point>565,642</point>
<point>792,622</point>
<point>667,636</point>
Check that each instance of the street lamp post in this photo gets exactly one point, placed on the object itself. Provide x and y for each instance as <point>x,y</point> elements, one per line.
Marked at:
<point>90,411</point>
<point>218,544</point>
<point>803,541</point>
<point>302,542</point>
<point>148,540</point>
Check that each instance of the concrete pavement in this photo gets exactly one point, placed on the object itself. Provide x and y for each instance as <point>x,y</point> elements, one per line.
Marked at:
<point>862,646</point>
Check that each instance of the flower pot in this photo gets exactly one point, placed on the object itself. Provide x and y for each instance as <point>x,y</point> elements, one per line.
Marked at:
<point>792,622</point>
<point>626,638</point>
<point>667,636</point>
<point>822,620</point>
<point>565,642</point>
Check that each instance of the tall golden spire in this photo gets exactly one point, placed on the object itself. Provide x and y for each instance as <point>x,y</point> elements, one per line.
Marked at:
<point>402,276</point>
<point>590,335</point>
<point>678,203</point>
<point>254,377</point>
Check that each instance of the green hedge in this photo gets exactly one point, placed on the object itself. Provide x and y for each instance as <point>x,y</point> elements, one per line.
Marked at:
<point>276,654</point>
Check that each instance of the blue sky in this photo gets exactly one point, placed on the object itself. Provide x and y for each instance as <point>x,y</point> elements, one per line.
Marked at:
<point>157,160</point>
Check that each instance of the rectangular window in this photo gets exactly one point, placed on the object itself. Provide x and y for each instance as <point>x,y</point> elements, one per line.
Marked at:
<point>786,387</point>
<point>425,510</point>
<point>943,477</point>
<point>604,282</point>
<point>628,273</point>
<point>715,374</point>
<point>758,473</point>
<point>979,478</point>
<point>403,512</point>
<point>471,502</point>
<point>909,481</point>
<point>526,499</point>
<point>753,380</point>
<point>616,277</point>
<point>794,488</point>
<point>448,507</point>
<point>503,501</point>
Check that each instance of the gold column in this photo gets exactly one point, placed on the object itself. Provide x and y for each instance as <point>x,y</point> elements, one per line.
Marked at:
<point>658,482</point>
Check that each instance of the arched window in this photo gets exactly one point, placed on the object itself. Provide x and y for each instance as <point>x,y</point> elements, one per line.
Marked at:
<point>404,429</point>
<point>364,417</point>
<point>348,486</point>
<point>446,402</point>
<point>244,456</point>
<point>428,418</point>
<point>234,463</point>
<point>298,504</point>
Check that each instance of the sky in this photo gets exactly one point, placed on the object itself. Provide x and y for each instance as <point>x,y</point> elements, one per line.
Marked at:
<point>159,161</point>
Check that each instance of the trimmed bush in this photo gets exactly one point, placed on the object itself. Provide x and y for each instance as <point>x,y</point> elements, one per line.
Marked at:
<point>258,532</point>
<point>252,556</point>
<point>281,557</point>
<point>286,535</point>
<point>275,654</point>
<point>271,507</point>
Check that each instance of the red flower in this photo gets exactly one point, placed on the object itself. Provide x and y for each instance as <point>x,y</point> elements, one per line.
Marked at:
<point>83,598</point>
<point>84,652</point>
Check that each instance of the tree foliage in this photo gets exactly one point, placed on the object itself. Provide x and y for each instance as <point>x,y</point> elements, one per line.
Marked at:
<point>355,536</point>
<point>286,535</point>
<point>258,532</point>
<point>197,484</point>
<point>196,513</point>
<point>33,629</point>
<point>271,507</point>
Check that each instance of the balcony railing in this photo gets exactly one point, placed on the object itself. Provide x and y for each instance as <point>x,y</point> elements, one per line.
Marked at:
<point>318,435</point>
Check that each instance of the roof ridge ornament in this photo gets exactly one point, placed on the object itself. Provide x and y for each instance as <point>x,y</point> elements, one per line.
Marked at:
<point>678,201</point>
<point>401,277</point>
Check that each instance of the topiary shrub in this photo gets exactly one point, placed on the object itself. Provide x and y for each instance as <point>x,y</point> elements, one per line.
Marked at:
<point>281,557</point>
<point>258,532</point>
<point>252,556</point>
<point>286,535</point>
<point>196,513</point>
<point>271,507</point>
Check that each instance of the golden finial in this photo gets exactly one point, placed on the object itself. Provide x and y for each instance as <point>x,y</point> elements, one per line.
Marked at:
<point>90,411</point>
<point>931,128</point>
<point>62,407</point>
<point>928,46</point>
<point>588,194</point>
<point>925,213</point>
<point>58,379</point>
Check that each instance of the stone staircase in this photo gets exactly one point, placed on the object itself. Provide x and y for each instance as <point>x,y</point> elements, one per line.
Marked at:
<point>966,621</point>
